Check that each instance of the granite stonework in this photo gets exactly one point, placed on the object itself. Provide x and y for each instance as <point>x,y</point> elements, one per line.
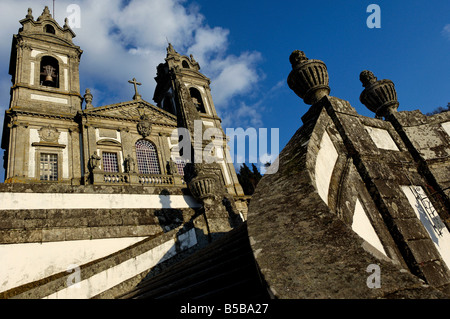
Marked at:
<point>314,252</point>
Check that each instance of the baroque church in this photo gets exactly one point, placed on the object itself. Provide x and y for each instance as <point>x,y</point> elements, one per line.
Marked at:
<point>52,133</point>
<point>104,199</point>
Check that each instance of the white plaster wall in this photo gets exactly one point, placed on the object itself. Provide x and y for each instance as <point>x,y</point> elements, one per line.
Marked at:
<point>34,138</point>
<point>32,73</point>
<point>208,123</point>
<point>25,263</point>
<point>446,127</point>
<point>16,201</point>
<point>48,99</point>
<point>363,227</point>
<point>325,162</point>
<point>113,276</point>
<point>64,140</point>
<point>63,58</point>
<point>35,53</point>
<point>441,241</point>
<point>382,138</point>
<point>66,79</point>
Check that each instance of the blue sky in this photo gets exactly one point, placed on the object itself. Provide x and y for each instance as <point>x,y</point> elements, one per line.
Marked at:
<point>244,47</point>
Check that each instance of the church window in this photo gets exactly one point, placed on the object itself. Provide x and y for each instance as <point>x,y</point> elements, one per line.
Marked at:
<point>147,158</point>
<point>181,163</point>
<point>49,167</point>
<point>110,163</point>
<point>185,65</point>
<point>49,72</point>
<point>49,29</point>
<point>197,99</point>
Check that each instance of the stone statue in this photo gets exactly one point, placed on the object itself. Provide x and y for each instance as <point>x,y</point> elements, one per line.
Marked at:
<point>94,162</point>
<point>130,165</point>
<point>172,168</point>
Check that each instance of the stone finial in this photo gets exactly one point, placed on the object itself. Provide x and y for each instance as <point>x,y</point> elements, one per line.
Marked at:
<point>367,78</point>
<point>88,97</point>
<point>66,24</point>
<point>45,14</point>
<point>379,96</point>
<point>170,49</point>
<point>308,78</point>
<point>297,58</point>
<point>30,14</point>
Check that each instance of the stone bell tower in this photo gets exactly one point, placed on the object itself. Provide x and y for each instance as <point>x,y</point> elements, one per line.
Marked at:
<point>179,79</point>
<point>40,134</point>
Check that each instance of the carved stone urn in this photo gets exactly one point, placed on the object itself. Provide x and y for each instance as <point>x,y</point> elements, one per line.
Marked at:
<point>202,186</point>
<point>378,96</point>
<point>308,78</point>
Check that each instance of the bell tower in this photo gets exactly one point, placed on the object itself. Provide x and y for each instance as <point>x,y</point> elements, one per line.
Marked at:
<point>180,79</point>
<point>45,66</point>
<point>40,132</point>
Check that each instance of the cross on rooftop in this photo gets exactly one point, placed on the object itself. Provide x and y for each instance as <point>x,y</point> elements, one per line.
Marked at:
<point>136,96</point>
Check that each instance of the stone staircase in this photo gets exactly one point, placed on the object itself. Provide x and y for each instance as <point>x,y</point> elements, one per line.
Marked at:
<point>224,269</point>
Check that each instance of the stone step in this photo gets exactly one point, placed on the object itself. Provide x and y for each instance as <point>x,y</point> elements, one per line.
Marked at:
<point>100,275</point>
<point>226,268</point>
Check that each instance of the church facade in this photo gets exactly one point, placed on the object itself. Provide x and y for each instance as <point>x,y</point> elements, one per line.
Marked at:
<point>54,134</point>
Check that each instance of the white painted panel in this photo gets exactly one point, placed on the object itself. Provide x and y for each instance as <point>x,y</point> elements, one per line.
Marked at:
<point>34,138</point>
<point>63,140</point>
<point>382,138</point>
<point>25,263</point>
<point>446,127</point>
<point>15,201</point>
<point>66,79</point>
<point>49,99</point>
<point>363,227</point>
<point>113,276</point>
<point>32,73</point>
<point>325,162</point>
<point>63,58</point>
<point>208,123</point>
<point>440,240</point>
<point>35,53</point>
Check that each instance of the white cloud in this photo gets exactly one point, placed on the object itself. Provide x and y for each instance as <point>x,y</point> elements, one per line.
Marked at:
<point>121,42</point>
<point>446,31</point>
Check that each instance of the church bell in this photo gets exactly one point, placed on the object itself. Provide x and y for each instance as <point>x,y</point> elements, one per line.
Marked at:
<point>49,75</point>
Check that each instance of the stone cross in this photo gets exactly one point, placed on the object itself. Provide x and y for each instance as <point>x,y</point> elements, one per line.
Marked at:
<point>136,96</point>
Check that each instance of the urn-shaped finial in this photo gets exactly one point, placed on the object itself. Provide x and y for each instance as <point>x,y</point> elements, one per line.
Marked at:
<point>308,78</point>
<point>379,96</point>
<point>88,97</point>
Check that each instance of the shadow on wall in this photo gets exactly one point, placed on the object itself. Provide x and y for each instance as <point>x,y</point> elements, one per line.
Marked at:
<point>189,238</point>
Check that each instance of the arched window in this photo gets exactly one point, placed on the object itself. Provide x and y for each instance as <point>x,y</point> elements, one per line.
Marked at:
<point>147,158</point>
<point>198,101</point>
<point>49,29</point>
<point>185,64</point>
<point>49,72</point>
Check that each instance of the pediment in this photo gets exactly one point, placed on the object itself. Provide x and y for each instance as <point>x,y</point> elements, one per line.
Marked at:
<point>133,111</point>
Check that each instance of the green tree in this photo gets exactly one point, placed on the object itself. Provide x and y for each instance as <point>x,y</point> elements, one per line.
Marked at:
<point>440,109</point>
<point>249,178</point>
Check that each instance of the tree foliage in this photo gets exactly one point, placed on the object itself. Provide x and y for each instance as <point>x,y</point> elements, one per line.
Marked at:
<point>440,109</point>
<point>249,178</point>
